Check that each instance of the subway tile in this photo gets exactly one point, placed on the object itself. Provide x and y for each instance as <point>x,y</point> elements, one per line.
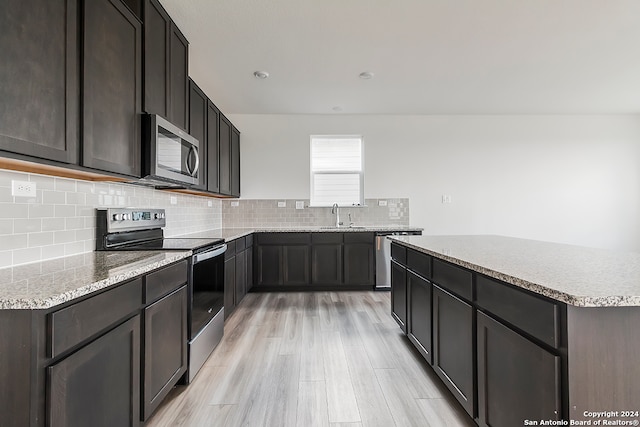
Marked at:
<point>64,184</point>
<point>7,176</point>
<point>53,224</point>
<point>27,225</point>
<point>43,182</point>
<point>65,211</point>
<point>74,248</point>
<point>74,223</point>
<point>64,236</point>
<point>6,226</point>
<point>6,258</point>
<point>85,234</point>
<point>13,241</point>
<point>41,211</point>
<point>12,210</point>
<point>5,195</point>
<point>76,198</point>
<point>53,197</point>
<point>52,251</point>
<point>40,239</point>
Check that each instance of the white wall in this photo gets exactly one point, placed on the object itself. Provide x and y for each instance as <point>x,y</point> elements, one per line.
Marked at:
<point>570,179</point>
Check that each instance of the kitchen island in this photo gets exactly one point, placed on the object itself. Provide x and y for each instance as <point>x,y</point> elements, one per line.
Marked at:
<point>524,331</point>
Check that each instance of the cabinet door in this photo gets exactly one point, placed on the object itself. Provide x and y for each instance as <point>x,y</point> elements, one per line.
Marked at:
<point>326,264</point>
<point>198,129</point>
<point>517,379</point>
<point>241,276</point>
<point>179,78</point>
<point>453,357</point>
<point>295,265</point>
<point>419,314</point>
<point>359,264</point>
<point>39,83</point>
<point>213,148</point>
<point>98,385</point>
<point>249,277</point>
<point>229,286</point>
<point>225,155</point>
<point>111,89</point>
<point>399,294</point>
<point>269,265</point>
<point>235,162</point>
<point>165,348</point>
<point>157,36</point>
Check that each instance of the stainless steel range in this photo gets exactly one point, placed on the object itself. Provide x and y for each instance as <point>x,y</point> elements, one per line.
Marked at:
<point>142,230</point>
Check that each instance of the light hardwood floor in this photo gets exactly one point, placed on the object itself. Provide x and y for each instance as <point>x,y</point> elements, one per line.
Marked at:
<point>313,359</point>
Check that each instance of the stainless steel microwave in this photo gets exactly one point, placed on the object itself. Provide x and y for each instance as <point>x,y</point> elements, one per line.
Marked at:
<point>170,154</point>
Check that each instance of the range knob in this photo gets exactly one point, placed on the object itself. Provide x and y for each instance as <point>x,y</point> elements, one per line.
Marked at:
<point>118,217</point>
<point>156,215</point>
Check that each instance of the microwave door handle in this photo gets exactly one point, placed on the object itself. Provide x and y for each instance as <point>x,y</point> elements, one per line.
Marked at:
<point>197,165</point>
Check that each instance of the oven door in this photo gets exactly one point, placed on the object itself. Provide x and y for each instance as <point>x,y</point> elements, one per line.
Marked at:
<point>207,284</point>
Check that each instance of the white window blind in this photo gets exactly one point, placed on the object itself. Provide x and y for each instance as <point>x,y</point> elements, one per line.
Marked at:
<point>337,170</point>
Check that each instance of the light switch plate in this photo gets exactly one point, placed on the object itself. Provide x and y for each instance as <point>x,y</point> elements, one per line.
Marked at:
<point>299,204</point>
<point>382,203</point>
<point>235,204</point>
<point>282,204</point>
<point>23,188</point>
<point>173,200</point>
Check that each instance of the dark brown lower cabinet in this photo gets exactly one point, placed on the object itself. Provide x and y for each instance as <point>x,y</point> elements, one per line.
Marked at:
<point>165,348</point>
<point>399,294</point>
<point>453,349</point>
<point>295,260</point>
<point>419,307</point>
<point>241,276</point>
<point>98,385</point>
<point>517,379</point>
<point>359,261</point>
<point>229,286</point>
<point>326,264</point>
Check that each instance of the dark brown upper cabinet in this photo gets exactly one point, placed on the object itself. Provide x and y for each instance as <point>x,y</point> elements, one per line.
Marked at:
<point>213,148</point>
<point>166,69</point>
<point>112,67</point>
<point>39,84</point>
<point>198,103</point>
<point>225,155</point>
<point>235,162</point>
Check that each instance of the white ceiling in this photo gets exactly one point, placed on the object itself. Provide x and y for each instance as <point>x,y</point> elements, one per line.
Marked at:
<point>428,56</point>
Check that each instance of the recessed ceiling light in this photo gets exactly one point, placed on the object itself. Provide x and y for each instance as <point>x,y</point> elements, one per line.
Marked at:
<point>366,75</point>
<point>260,75</point>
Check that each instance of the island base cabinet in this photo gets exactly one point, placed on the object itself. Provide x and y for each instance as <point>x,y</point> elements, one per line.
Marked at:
<point>453,355</point>
<point>98,385</point>
<point>419,324</point>
<point>517,379</point>
<point>399,295</point>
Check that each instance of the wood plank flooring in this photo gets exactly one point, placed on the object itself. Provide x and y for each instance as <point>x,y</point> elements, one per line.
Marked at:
<point>324,359</point>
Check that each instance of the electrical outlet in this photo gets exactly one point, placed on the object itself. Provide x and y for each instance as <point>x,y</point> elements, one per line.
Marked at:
<point>282,204</point>
<point>235,204</point>
<point>209,203</point>
<point>299,204</point>
<point>174,200</point>
<point>23,188</point>
<point>382,203</point>
<point>446,198</point>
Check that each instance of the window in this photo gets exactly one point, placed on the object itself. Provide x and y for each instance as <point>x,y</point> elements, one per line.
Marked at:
<point>337,170</point>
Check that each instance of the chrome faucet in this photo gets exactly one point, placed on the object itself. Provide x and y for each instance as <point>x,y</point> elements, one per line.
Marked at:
<point>335,210</point>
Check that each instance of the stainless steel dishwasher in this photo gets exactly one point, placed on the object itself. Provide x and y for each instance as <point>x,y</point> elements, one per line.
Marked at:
<point>383,257</point>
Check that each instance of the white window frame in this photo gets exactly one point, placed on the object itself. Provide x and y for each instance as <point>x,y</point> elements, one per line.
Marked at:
<point>360,172</point>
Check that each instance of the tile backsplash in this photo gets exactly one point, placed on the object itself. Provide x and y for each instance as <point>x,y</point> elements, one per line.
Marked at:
<point>266,213</point>
<point>60,219</point>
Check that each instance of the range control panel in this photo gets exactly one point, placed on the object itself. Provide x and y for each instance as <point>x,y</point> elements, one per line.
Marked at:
<point>125,219</point>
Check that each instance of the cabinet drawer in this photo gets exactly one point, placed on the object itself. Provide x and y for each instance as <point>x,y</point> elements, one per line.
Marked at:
<point>240,244</point>
<point>74,324</point>
<point>162,282</point>
<point>419,263</point>
<point>452,278</point>
<point>399,253</point>
<point>534,315</point>
<point>358,237</point>
<point>335,238</point>
<point>283,238</point>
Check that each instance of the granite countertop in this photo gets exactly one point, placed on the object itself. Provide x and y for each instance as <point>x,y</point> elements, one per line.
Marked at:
<point>579,276</point>
<point>45,284</point>
<point>234,233</point>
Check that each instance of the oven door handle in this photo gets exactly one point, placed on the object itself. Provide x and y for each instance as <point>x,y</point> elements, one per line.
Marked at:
<point>209,254</point>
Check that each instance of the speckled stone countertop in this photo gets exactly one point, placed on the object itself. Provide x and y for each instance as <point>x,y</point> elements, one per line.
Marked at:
<point>578,276</point>
<point>234,233</point>
<point>45,284</point>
